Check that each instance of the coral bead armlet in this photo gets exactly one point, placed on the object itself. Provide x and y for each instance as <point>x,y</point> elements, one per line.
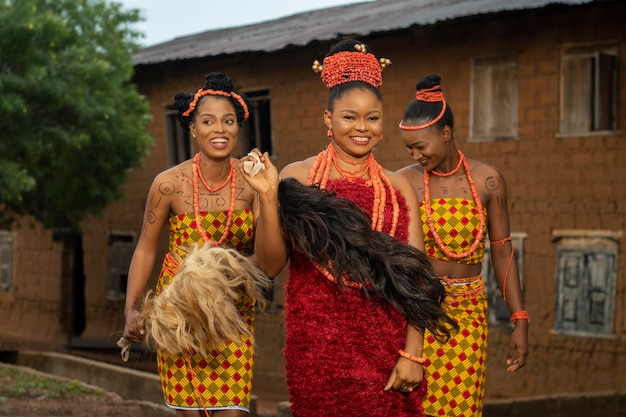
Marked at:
<point>508,265</point>
<point>411,357</point>
<point>522,314</point>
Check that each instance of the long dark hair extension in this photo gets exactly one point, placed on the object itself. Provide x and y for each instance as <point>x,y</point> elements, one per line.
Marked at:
<point>333,231</point>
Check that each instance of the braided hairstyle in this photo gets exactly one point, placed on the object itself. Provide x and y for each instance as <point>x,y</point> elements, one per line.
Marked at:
<point>420,112</point>
<point>212,81</point>
<point>338,91</point>
<point>334,231</point>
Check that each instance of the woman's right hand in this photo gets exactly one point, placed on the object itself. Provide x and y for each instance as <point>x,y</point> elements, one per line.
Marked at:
<point>264,181</point>
<point>133,328</point>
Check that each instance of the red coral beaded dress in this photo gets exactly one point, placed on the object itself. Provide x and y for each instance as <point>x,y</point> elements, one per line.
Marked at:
<point>341,346</point>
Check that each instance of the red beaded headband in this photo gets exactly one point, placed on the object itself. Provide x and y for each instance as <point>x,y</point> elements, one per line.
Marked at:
<point>201,93</point>
<point>432,96</point>
<point>347,66</point>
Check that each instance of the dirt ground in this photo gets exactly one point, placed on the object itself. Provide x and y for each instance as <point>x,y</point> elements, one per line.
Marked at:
<point>102,404</point>
<point>24,392</point>
<point>88,405</point>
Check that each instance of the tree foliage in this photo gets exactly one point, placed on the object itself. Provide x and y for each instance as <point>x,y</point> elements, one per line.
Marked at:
<point>72,123</point>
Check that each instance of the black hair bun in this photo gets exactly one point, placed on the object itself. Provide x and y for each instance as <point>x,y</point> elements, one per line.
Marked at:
<point>429,81</point>
<point>218,81</point>
<point>347,45</point>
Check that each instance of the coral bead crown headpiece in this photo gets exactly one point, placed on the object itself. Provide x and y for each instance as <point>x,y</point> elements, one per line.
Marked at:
<point>347,66</point>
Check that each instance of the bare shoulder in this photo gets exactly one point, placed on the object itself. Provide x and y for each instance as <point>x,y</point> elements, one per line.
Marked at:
<point>482,167</point>
<point>486,175</point>
<point>400,181</point>
<point>182,169</point>
<point>173,179</point>
<point>412,172</point>
<point>298,169</point>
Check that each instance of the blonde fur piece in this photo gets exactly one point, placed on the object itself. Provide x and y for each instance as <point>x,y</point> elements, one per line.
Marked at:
<point>198,308</point>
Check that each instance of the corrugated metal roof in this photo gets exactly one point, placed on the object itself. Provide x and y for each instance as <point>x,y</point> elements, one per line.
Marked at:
<point>358,19</point>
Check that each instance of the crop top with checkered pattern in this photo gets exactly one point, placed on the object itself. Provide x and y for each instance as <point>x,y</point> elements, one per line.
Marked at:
<point>456,221</point>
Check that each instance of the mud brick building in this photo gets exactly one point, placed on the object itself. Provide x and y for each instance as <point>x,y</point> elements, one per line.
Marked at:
<point>538,89</point>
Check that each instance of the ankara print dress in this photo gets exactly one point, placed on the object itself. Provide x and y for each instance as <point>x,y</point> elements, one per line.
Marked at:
<point>224,380</point>
<point>456,370</point>
<point>341,346</point>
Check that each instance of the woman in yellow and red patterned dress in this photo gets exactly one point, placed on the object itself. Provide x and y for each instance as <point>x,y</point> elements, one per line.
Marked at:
<point>206,201</point>
<point>461,200</point>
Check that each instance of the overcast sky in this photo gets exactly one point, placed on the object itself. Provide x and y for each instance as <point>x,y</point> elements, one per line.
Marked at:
<point>165,20</point>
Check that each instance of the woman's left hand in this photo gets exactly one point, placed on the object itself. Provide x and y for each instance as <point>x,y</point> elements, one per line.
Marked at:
<point>264,178</point>
<point>518,347</point>
<point>405,376</point>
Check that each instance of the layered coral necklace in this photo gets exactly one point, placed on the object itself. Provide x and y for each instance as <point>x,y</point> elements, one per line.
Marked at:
<point>232,178</point>
<point>329,158</point>
<point>479,206</point>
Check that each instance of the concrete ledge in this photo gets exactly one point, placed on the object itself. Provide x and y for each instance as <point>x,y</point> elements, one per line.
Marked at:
<point>145,387</point>
<point>590,404</point>
<point>284,409</point>
<point>129,384</point>
<point>595,404</point>
<point>144,408</point>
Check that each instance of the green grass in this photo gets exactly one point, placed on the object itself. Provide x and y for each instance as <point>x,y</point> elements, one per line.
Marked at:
<point>15,383</point>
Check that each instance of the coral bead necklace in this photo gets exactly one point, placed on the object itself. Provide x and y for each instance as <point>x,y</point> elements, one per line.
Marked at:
<point>448,174</point>
<point>232,177</point>
<point>353,173</point>
<point>327,159</point>
<point>231,173</point>
<point>479,206</point>
<point>319,174</point>
<point>345,279</point>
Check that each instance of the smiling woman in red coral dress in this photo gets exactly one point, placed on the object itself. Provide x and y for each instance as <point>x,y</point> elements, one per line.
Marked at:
<point>349,351</point>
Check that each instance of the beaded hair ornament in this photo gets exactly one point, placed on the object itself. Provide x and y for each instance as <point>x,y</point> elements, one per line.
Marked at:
<point>346,66</point>
<point>339,68</point>
<point>430,95</point>
<point>202,92</point>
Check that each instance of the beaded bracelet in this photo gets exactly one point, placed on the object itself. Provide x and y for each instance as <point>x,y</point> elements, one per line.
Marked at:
<point>411,357</point>
<point>522,314</point>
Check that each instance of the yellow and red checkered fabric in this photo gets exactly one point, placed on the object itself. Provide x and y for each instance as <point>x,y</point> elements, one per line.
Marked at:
<point>224,379</point>
<point>183,234</point>
<point>455,371</point>
<point>456,222</point>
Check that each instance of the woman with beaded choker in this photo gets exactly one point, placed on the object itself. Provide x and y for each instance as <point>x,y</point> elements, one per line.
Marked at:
<point>348,351</point>
<point>461,200</point>
<point>206,201</point>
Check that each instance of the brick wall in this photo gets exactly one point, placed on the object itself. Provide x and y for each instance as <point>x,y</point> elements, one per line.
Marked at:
<point>553,182</point>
